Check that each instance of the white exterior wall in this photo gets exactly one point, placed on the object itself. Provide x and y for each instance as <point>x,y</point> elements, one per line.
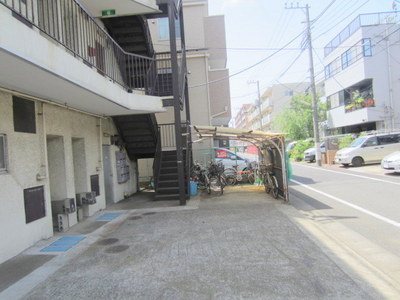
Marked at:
<point>381,67</point>
<point>25,158</point>
<point>28,157</point>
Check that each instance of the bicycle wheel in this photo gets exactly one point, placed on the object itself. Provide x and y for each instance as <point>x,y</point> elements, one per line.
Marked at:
<point>251,178</point>
<point>275,190</point>
<point>208,185</point>
<point>267,186</point>
<point>221,185</point>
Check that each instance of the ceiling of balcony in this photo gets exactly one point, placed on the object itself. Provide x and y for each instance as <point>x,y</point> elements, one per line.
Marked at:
<point>25,77</point>
<point>121,7</point>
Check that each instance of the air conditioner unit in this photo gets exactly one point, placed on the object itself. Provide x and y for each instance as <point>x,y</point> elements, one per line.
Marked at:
<point>85,198</point>
<point>65,206</point>
<point>62,223</point>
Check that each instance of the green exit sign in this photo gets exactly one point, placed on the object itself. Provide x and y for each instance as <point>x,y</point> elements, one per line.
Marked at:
<point>109,12</point>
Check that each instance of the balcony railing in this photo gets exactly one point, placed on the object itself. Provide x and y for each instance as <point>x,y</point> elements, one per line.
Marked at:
<point>68,23</point>
<point>359,21</point>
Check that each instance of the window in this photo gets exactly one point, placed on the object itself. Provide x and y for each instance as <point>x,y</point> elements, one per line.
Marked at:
<point>371,142</point>
<point>24,115</point>
<point>389,139</point>
<point>367,49</point>
<point>288,93</point>
<point>346,59</point>
<point>163,28</point>
<point>3,160</point>
<point>328,71</point>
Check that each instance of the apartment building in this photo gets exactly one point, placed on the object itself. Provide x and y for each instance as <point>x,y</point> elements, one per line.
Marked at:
<point>207,75</point>
<point>242,118</point>
<point>79,89</point>
<point>361,75</point>
<point>273,101</point>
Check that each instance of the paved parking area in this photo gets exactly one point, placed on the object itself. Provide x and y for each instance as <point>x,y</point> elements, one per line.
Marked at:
<point>242,245</point>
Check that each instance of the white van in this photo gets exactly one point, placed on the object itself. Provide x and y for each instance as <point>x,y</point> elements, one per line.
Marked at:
<point>368,149</point>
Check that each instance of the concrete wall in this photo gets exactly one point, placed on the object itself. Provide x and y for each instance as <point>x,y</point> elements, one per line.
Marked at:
<point>61,156</point>
<point>220,100</point>
<point>215,40</point>
<point>26,156</point>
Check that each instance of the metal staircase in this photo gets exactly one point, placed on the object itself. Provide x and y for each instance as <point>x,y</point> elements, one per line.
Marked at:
<point>139,134</point>
<point>167,177</point>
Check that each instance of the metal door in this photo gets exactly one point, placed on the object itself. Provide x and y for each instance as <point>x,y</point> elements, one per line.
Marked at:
<point>108,175</point>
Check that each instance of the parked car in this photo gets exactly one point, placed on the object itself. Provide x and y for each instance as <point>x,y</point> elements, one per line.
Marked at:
<point>230,158</point>
<point>368,149</point>
<point>309,154</point>
<point>290,146</point>
<point>391,162</point>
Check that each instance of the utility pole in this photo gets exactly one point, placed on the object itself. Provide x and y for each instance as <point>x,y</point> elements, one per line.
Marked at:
<point>258,101</point>
<point>312,80</point>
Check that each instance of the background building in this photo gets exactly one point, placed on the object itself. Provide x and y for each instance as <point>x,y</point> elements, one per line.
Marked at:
<point>362,73</point>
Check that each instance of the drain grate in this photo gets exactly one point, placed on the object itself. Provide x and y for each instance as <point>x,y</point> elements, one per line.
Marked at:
<point>63,244</point>
<point>108,217</point>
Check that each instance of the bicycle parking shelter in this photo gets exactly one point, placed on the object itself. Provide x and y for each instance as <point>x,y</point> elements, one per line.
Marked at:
<point>271,148</point>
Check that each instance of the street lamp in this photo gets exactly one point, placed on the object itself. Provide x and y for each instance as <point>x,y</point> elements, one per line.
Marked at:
<point>258,100</point>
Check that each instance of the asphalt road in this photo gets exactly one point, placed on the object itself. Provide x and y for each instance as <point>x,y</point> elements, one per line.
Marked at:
<point>359,207</point>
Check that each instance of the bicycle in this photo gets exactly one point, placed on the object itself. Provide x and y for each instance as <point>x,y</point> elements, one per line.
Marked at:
<point>215,177</point>
<point>233,176</point>
<point>270,181</point>
<point>199,175</point>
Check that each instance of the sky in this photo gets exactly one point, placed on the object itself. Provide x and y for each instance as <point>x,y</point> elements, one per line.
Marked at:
<point>256,30</point>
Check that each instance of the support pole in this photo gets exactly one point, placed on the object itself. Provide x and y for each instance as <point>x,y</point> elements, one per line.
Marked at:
<point>312,83</point>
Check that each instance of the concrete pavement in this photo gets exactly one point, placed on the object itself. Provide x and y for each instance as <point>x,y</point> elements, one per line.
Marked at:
<point>242,245</point>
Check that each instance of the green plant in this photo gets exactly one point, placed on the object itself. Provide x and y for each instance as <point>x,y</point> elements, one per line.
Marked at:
<point>345,141</point>
<point>297,152</point>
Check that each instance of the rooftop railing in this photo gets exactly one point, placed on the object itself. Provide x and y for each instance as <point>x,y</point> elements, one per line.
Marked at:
<point>70,25</point>
<point>358,22</point>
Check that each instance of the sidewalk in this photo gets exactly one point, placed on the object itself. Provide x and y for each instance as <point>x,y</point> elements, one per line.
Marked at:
<point>242,245</point>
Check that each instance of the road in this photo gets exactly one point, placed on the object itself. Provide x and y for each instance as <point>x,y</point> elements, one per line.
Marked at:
<point>360,210</point>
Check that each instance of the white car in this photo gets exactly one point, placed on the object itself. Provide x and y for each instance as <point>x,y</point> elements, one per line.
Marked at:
<point>309,154</point>
<point>391,162</point>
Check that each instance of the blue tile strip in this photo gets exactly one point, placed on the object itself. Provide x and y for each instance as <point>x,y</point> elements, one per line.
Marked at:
<point>108,217</point>
<point>56,249</point>
<point>63,244</point>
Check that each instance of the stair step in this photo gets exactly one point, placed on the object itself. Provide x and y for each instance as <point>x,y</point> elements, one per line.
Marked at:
<point>167,183</point>
<point>166,197</point>
<point>167,190</point>
<point>169,164</point>
<point>171,176</point>
<point>168,170</point>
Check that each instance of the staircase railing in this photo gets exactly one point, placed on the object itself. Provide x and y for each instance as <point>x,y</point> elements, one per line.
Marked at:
<point>157,160</point>
<point>69,24</point>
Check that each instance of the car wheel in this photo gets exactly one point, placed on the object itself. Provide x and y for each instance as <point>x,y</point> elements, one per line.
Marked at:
<point>357,161</point>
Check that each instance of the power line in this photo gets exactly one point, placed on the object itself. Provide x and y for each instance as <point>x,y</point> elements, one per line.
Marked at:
<point>252,66</point>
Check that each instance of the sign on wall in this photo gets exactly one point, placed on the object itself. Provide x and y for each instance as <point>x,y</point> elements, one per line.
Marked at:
<point>123,173</point>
